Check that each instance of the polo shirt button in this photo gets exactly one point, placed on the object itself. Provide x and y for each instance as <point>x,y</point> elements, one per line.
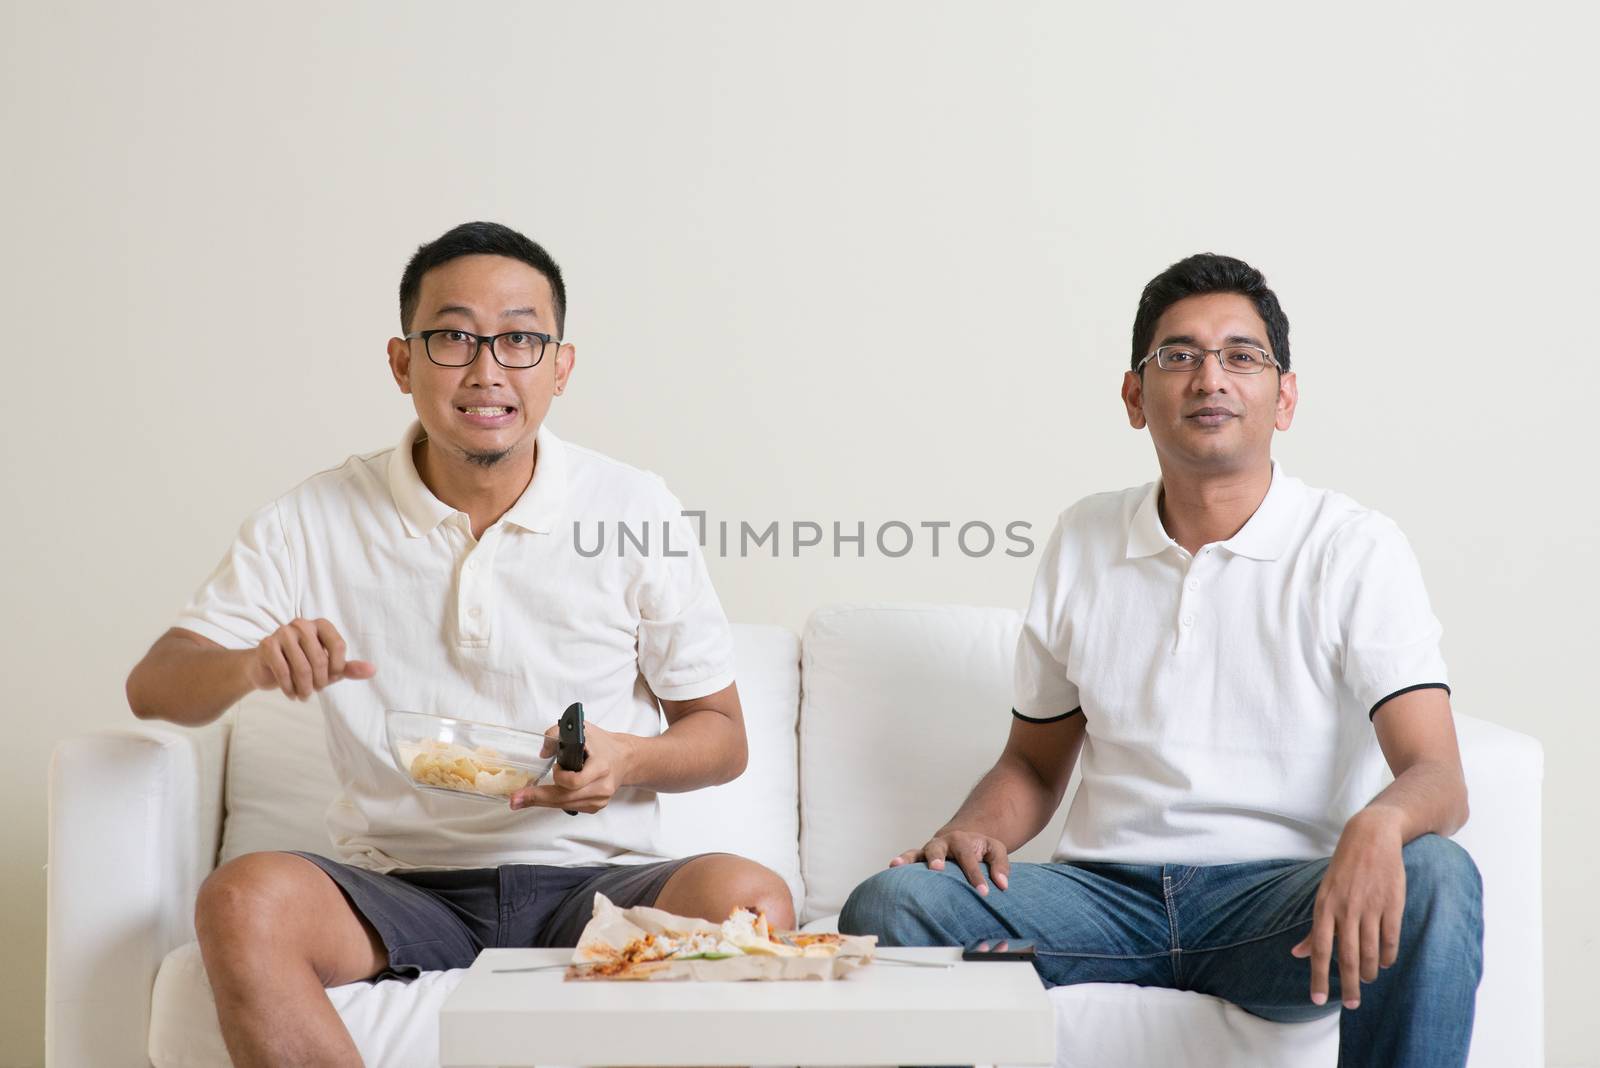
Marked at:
<point>474,611</point>
<point>1194,584</point>
<point>1188,621</point>
<point>472,565</point>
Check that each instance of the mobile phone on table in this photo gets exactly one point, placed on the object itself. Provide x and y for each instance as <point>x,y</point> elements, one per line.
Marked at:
<point>999,949</point>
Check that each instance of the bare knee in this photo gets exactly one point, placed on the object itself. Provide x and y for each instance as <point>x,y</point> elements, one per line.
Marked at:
<point>237,903</point>
<point>263,910</point>
<point>714,886</point>
<point>765,892</point>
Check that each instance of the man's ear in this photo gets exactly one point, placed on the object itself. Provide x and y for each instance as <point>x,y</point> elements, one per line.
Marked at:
<point>1288,399</point>
<point>1133,399</point>
<point>566,359</point>
<point>400,362</point>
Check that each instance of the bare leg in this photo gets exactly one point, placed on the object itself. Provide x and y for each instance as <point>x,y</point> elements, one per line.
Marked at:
<point>712,886</point>
<point>274,932</point>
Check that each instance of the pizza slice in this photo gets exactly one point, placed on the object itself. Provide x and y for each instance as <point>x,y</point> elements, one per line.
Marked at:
<point>644,943</point>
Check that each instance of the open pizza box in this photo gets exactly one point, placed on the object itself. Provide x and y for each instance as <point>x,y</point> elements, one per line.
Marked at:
<point>649,944</point>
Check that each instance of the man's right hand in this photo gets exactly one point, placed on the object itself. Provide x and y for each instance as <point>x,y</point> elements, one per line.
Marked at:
<point>302,657</point>
<point>970,850</point>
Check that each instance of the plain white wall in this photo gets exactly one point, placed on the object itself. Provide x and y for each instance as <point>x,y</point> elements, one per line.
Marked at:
<point>836,262</point>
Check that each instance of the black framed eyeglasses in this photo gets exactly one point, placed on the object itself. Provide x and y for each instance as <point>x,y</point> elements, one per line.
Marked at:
<point>514,350</point>
<point>1236,359</point>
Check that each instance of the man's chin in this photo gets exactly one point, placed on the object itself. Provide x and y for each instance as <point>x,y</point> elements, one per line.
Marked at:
<point>1210,454</point>
<point>485,459</point>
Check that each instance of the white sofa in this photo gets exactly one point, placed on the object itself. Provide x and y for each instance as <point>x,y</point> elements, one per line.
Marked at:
<point>863,738</point>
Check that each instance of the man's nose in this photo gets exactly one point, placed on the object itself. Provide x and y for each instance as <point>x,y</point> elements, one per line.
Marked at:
<point>1209,377</point>
<point>484,367</point>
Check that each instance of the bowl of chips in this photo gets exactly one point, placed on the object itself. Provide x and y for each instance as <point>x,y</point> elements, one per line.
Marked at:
<point>464,758</point>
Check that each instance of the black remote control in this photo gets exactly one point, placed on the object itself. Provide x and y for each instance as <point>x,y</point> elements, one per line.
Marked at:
<point>570,751</point>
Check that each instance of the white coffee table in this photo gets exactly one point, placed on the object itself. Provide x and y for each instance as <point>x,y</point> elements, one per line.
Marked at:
<point>989,1013</point>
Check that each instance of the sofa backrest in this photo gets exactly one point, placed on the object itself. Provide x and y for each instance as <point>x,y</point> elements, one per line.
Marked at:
<point>279,780</point>
<point>904,708</point>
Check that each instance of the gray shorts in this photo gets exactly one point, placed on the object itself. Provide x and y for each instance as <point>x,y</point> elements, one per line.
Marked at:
<point>431,920</point>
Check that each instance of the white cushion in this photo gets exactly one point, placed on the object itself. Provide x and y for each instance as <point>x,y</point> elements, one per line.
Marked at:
<point>904,708</point>
<point>393,1023</point>
<point>757,815</point>
<point>1505,773</point>
<point>280,782</point>
<point>1151,1027</point>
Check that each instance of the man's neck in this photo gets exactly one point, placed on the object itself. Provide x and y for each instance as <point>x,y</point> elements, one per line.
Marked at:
<point>1198,510</point>
<point>484,493</point>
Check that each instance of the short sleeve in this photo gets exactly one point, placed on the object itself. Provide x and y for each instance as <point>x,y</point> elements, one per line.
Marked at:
<point>251,593</point>
<point>685,644</point>
<point>1042,691</point>
<point>1386,632</point>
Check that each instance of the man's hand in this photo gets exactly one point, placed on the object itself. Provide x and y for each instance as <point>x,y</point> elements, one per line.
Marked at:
<point>302,657</point>
<point>1359,906</point>
<point>606,770</point>
<point>970,850</point>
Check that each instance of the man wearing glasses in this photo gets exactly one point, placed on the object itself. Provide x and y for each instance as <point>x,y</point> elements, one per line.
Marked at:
<point>440,576</point>
<point>1219,652</point>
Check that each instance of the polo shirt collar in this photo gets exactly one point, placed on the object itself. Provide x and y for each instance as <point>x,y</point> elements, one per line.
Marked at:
<point>1264,537</point>
<point>536,510</point>
<point>1146,535</point>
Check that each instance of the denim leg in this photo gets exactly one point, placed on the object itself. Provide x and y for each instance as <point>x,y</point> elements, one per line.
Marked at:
<point>1237,923</point>
<point>1099,923</point>
<point>1420,1010</point>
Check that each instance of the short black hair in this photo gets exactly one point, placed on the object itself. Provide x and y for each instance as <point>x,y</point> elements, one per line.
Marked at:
<point>479,239</point>
<point>1202,273</point>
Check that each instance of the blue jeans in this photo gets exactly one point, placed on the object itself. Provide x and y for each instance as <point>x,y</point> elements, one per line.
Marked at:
<point>1223,930</point>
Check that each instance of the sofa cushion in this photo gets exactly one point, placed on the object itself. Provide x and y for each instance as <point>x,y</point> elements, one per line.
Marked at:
<point>756,815</point>
<point>1151,1027</point>
<point>396,1024</point>
<point>393,1023</point>
<point>904,707</point>
<point>280,781</point>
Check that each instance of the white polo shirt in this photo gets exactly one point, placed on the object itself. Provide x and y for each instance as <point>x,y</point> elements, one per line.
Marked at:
<point>508,629</point>
<point>1227,695</point>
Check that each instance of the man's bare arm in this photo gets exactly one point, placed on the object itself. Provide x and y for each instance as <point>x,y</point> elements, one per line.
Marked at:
<point>1417,734</point>
<point>189,679</point>
<point>1010,804</point>
<point>703,745</point>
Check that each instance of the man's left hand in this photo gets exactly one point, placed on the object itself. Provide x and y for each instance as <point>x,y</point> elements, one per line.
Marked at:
<point>1359,906</point>
<point>605,771</point>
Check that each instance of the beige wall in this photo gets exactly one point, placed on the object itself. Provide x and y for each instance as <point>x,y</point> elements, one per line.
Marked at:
<point>836,262</point>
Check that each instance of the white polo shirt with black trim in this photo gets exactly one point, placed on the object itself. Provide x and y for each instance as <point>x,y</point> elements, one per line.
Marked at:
<point>510,628</point>
<point>1228,694</point>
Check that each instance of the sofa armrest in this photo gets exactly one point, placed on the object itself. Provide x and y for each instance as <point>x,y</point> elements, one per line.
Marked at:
<point>1505,789</point>
<point>135,816</point>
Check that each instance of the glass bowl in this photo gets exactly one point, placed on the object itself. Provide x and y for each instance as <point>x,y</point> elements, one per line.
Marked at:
<point>464,758</point>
